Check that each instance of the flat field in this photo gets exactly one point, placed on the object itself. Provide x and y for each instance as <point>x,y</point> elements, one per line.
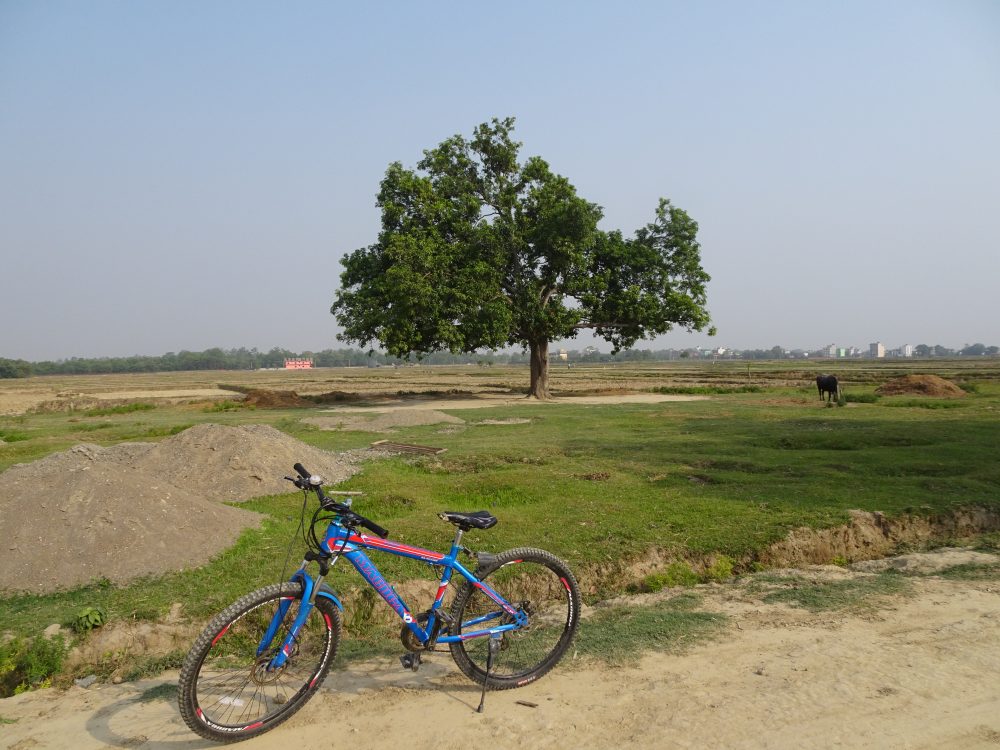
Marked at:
<point>633,491</point>
<point>57,392</point>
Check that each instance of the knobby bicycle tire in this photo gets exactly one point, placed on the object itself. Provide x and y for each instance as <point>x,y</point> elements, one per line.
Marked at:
<point>545,587</point>
<point>225,692</point>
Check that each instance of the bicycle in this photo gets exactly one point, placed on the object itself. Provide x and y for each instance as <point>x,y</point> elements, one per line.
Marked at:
<point>262,658</point>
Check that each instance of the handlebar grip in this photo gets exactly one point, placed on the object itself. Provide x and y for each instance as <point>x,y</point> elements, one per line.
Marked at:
<point>372,526</point>
<point>302,471</point>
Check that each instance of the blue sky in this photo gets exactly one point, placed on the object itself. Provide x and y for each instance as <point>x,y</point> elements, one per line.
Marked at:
<point>181,175</point>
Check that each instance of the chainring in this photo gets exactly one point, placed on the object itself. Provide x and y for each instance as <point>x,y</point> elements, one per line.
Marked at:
<point>409,638</point>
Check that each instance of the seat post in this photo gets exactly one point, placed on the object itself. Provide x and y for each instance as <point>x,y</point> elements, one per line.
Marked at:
<point>458,538</point>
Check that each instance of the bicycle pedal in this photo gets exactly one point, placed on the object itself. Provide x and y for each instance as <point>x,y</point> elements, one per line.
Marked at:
<point>410,661</point>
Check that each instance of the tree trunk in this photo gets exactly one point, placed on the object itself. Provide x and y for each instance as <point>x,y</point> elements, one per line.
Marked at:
<point>539,369</point>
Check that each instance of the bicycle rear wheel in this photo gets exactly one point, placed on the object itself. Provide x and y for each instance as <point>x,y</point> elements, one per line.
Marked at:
<point>226,692</point>
<point>540,584</point>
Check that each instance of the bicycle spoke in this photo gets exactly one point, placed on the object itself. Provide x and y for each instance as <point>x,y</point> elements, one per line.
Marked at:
<point>543,589</point>
<point>226,687</point>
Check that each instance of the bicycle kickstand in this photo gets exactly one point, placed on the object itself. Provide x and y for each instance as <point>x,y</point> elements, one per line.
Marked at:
<point>490,653</point>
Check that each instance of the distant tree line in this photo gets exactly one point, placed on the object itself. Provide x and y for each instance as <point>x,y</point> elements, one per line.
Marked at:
<point>252,359</point>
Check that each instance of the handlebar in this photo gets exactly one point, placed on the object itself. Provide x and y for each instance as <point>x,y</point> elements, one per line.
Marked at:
<point>308,481</point>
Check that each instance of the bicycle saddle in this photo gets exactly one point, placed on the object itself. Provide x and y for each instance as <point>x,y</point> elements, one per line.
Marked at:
<point>480,519</point>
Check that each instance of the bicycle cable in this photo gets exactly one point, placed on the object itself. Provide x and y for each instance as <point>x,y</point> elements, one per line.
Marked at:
<point>295,536</point>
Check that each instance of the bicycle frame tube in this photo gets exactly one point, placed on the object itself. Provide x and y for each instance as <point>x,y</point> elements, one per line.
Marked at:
<point>305,607</point>
<point>351,545</point>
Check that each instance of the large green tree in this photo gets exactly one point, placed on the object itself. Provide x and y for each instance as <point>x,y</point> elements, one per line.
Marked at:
<point>478,250</point>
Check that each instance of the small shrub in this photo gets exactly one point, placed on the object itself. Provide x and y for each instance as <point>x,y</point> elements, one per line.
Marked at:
<point>223,406</point>
<point>721,569</point>
<point>13,437</point>
<point>28,664</point>
<point>969,387</point>
<point>88,618</point>
<point>676,574</point>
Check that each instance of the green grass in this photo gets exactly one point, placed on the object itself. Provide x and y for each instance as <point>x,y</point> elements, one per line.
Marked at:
<point>28,663</point>
<point>621,635</point>
<point>120,409</point>
<point>706,389</point>
<point>971,572</point>
<point>824,596</point>
<point>861,398</point>
<point>720,477</point>
<point>676,574</point>
<point>712,477</point>
<point>917,403</point>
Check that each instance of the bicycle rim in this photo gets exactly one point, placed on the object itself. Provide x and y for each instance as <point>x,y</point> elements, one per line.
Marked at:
<point>544,587</point>
<point>228,691</point>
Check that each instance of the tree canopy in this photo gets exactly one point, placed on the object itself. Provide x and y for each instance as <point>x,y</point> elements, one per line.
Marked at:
<point>478,250</point>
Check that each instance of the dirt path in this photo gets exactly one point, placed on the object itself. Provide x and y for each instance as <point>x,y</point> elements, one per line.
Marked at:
<point>492,400</point>
<point>921,672</point>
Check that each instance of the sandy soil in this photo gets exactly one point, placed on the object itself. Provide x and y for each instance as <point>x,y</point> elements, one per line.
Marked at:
<point>139,508</point>
<point>63,393</point>
<point>489,401</point>
<point>918,673</point>
<point>14,402</point>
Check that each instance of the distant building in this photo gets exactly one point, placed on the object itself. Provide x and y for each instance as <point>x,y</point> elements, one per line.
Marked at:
<point>298,364</point>
<point>876,350</point>
<point>906,350</point>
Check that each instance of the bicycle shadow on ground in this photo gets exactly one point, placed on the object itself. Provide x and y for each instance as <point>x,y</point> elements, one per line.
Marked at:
<point>437,674</point>
<point>144,714</point>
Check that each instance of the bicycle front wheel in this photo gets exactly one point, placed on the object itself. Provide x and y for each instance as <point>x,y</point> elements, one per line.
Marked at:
<point>536,582</point>
<point>227,691</point>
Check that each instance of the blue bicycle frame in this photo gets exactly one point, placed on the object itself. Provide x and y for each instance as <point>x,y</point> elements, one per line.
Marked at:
<point>341,541</point>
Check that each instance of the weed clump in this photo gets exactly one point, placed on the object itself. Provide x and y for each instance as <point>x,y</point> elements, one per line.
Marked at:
<point>88,619</point>
<point>27,664</point>
<point>720,570</point>
<point>682,574</point>
<point>676,574</point>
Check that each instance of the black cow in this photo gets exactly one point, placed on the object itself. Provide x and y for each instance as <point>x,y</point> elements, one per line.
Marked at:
<point>828,384</point>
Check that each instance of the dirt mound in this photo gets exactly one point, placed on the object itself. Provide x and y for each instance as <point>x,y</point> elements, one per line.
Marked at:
<point>264,399</point>
<point>136,509</point>
<point>920,385</point>
<point>237,463</point>
<point>83,515</point>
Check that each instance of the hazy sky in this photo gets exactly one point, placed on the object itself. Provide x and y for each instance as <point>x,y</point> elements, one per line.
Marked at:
<point>182,175</point>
